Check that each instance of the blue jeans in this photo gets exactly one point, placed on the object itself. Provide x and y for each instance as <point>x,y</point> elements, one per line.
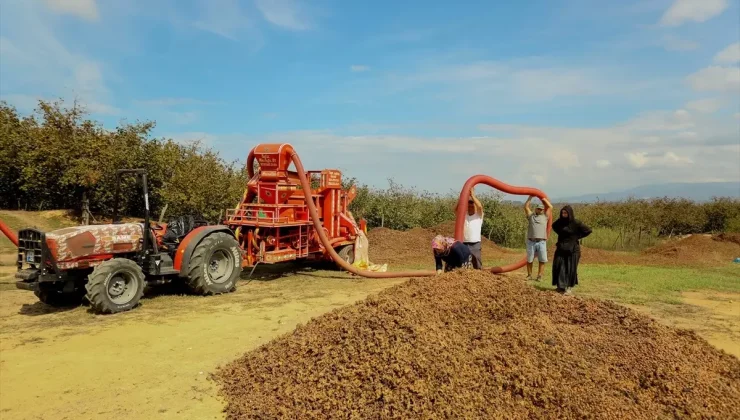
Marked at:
<point>538,247</point>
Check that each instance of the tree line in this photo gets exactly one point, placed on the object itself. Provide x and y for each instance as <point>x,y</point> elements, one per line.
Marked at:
<point>58,158</point>
<point>632,222</point>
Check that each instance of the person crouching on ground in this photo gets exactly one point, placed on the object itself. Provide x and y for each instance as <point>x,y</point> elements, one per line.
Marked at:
<point>567,250</point>
<point>536,236</point>
<point>473,226</point>
<point>453,253</point>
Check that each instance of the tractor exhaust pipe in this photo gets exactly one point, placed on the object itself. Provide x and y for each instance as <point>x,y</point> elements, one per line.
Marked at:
<point>9,233</point>
<point>459,223</point>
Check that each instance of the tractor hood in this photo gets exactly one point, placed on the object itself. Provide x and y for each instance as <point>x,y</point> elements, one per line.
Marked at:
<point>81,242</point>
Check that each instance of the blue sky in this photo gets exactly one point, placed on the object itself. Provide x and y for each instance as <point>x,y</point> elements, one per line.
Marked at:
<point>570,96</point>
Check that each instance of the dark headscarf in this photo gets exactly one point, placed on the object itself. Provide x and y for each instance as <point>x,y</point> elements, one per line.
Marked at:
<point>571,215</point>
<point>570,222</point>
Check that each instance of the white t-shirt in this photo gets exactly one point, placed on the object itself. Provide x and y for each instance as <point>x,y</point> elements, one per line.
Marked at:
<point>473,225</point>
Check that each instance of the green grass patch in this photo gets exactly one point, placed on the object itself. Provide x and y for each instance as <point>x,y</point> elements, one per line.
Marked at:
<point>631,284</point>
<point>641,285</point>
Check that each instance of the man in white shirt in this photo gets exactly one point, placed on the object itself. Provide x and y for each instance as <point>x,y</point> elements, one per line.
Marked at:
<point>473,225</point>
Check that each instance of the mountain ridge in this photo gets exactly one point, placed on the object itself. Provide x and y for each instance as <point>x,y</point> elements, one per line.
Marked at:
<point>700,191</point>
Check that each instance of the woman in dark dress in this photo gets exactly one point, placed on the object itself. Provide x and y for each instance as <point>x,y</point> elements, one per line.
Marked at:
<point>454,254</point>
<point>567,250</point>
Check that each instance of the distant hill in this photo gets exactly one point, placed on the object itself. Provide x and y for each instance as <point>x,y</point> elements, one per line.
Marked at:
<point>693,191</point>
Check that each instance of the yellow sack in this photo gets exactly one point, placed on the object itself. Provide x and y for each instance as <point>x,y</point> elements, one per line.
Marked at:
<point>362,261</point>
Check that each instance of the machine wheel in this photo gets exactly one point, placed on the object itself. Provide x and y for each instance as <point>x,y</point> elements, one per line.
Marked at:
<point>215,265</point>
<point>115,286</point>
<point>347,253</point>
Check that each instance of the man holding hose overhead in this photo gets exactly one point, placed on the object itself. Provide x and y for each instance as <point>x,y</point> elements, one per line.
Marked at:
<point>536,236</point>
<point>473,226</point>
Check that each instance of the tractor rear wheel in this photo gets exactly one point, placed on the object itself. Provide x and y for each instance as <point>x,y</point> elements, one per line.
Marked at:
<point>347,253</point>
<point>215,265</point>
<point>115,286</point>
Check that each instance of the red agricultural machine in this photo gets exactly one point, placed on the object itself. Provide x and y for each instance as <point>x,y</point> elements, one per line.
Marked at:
<point>110,265</point>
<point>272,222</point>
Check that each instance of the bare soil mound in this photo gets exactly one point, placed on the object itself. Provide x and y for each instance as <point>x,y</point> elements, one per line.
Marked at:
<point>728,237</point>
<point>697,249</point>
<point>474,345</point>
<point>415,245</point>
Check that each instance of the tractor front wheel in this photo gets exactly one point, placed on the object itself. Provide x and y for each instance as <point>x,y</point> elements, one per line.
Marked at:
<point>115,286</point>
<point>215,265</point>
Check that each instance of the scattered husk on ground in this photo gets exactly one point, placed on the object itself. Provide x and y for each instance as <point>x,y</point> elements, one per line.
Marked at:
<point>474,345</point>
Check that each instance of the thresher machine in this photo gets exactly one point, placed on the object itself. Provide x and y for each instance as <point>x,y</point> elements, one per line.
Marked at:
<point>272,222</point>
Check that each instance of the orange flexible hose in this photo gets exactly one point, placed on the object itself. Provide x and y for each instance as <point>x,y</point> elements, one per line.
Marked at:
<point>9,233</point>
<point>327,244</point>
<point>462,209</point>
<point>459,224</point>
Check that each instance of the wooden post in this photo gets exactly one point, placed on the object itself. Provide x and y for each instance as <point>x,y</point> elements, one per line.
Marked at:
<point>161,214</point>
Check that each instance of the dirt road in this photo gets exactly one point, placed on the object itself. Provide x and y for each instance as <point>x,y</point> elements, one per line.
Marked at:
<point>152,362</point>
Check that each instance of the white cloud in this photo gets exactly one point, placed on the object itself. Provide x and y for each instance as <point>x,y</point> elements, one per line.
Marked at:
<point>640,160</point>
<point>654,147</point>
<point>737,115</point>
<point>682,11</point>
<point>227,19</point>
<point>487,87</point>
<point>565,159</point>
<point>285,14</point>
<point>29,44</point>
<point>672,43</point>
<point>637,159</point>
<point>672,158</point>
<point>706,106</point>
<point>729,55</point>
<point>715,78</point>
<point>359,68</point>
<point>85,9</point>
<point>660,121</point>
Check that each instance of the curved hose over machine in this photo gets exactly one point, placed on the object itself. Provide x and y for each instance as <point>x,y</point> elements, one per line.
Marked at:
<point>459,224</point>
<point>313,212</point>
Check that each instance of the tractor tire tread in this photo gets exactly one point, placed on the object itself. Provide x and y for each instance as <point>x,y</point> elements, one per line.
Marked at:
<point>95,285</point>
<point>195,280</point>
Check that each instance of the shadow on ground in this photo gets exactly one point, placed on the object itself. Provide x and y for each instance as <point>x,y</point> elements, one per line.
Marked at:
<point>261,273</point>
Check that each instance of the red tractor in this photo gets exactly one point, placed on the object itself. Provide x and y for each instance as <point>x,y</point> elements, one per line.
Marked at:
<point>272,221</point>
<point>111,264</point>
